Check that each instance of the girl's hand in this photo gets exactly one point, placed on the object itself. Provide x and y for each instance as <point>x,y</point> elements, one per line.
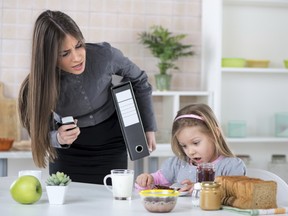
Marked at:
<point>67,134</point>
<point>188,186</point>
<point>145,180</point>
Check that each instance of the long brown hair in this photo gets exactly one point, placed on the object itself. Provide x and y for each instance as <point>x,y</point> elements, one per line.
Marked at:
<point>39,92</point>
<point>209,125</point>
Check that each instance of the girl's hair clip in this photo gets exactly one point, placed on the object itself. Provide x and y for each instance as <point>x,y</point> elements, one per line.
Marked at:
<point>189,116</point>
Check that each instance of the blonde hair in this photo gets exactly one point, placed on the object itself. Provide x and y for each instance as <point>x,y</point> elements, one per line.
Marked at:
<point>39,92</point>
<point>208,124</point>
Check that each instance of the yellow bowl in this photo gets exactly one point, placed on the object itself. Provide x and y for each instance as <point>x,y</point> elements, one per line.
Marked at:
<point>159,200</point>
<point>233,62</point>
<point>257,63</point>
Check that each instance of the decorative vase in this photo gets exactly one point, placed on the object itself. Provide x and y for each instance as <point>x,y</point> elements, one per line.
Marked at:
<point>56,194</point>
<point>163,82</point>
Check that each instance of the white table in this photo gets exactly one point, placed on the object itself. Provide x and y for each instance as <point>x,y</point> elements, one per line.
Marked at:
<point>90,199</point>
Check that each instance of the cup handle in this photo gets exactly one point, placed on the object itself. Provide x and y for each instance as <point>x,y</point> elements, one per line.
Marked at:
<point>105,182</point>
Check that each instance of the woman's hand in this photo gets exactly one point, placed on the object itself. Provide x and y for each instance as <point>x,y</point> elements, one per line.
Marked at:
<point>151,140</point>
<point>145,180</point>
<point>67,134</point>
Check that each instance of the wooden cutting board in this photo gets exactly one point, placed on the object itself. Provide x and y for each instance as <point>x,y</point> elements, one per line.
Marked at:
<point>9,119</point>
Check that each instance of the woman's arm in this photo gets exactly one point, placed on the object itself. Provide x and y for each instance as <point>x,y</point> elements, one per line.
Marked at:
<point>142,88</point>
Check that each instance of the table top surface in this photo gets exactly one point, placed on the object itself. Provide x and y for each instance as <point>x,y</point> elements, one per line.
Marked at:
<point>90,199</point>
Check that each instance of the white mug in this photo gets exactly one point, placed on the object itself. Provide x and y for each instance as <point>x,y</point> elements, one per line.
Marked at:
<point>122,183</point>
<point>36,173</point>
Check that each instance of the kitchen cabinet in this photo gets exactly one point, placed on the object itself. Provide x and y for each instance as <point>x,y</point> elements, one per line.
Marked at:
<point>250,29</point>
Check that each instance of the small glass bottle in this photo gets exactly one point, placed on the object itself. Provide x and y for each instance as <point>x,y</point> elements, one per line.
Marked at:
<point>196,194</point>
<point>210,196</point>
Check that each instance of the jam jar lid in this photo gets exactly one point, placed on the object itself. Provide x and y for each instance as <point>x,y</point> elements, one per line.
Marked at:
<point>210,184</point>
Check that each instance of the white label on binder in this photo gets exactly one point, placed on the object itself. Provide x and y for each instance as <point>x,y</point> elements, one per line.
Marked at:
<point>127,108</point>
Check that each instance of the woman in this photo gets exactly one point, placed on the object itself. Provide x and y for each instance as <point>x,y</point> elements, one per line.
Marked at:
<point>71,78</point>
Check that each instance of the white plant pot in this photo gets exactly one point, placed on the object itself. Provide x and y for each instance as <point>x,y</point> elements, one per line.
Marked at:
<point>56,194</point>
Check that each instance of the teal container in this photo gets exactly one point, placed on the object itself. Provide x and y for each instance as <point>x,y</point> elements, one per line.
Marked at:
<point>281,124</point>
<point>237,129</point>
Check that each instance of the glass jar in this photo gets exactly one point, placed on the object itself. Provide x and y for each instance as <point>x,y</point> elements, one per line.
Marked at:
<point>196,194</point>
<point>278,159</point>
<point>205,172</point>
<point>245,158</point>
<point>278,165</point>
<point>210,196</point>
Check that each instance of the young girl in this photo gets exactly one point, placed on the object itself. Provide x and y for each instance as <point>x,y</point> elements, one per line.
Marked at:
<point>196,138</point>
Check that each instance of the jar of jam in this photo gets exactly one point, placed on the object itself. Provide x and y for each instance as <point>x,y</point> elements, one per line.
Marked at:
<point>205,172</point>
<point>210,196</point>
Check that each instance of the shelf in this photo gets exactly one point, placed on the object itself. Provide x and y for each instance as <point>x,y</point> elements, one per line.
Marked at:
<point>181,93</point>
<point>256,70</point>
<point>15,154</point>
<point>258,140</point>
<point>164,149</point>
<point>261,3</point>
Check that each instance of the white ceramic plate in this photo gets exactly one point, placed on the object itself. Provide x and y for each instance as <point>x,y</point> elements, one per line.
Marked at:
<point>177,186</point>
<point>184,193</point>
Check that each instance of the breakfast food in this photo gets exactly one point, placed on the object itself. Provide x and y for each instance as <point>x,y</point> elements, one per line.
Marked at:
<point>158,200</point>
<point>161,204</point>
<point>162,187</point>
<point>247,193</point>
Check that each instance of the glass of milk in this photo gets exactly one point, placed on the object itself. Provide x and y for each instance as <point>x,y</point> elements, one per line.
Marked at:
<point>122,183</point>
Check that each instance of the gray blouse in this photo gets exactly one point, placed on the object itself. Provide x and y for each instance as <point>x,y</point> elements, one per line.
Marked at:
<point>87,96</point>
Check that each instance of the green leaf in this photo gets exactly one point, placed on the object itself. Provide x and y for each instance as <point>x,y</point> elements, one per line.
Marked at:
<point>59,178</point>
<point>165,46</point>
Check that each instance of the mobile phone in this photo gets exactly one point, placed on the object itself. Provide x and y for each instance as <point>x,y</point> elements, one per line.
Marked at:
<point>67,120</point>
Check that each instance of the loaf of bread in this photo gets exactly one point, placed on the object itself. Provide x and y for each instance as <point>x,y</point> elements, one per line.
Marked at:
<point>247,193</point>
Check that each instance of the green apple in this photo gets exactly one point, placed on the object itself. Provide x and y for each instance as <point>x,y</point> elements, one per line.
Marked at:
<point>26,189</point>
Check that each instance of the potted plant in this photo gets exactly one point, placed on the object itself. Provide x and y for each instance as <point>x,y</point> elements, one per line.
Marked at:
<point>56,187</point>
<point>168,48</point>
